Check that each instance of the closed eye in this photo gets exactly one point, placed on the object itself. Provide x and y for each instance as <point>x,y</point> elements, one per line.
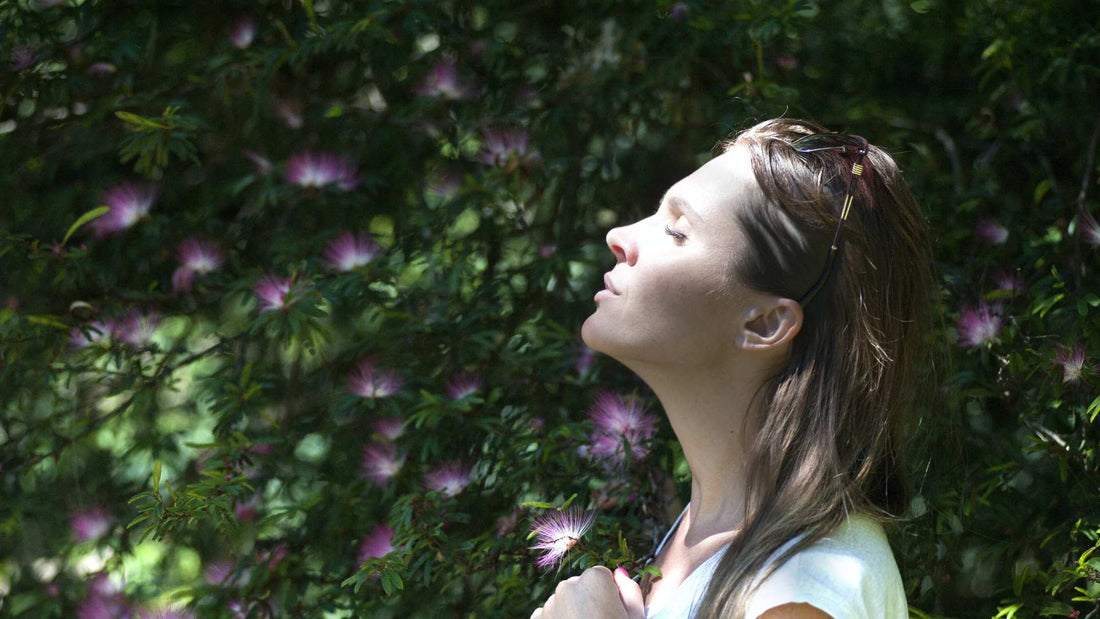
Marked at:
<point>679,236</point>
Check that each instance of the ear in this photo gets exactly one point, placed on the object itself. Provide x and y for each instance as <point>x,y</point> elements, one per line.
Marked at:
<point>771,325</point>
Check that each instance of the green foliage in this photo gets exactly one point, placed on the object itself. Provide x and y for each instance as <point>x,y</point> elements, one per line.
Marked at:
<point>161,425</point>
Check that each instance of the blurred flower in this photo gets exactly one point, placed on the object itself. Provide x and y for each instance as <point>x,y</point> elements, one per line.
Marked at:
<point>444,184</point>
<point>463,385</point>
<point>90,523</point>
<point>507,148</point>
<point>381,462</point>
<point>507,523</point>
<point>350,251</point>
<point>272,292</point>
<point>679,12</point>
<point>247,510</point>
<point>98,331</point>
<point>272,556</point>
<point>786,63</point>
<point>619,425</point>
<point>585,357</point>
<point>128,202</point>
<point>378,543</point>
<point>100,69</point>
<point>1089,229</point>
<point>308,169</point>
<point>990,231</point>
<point>290,110</point>
<point>368,381</point>
<point>104,600</point>
<point>1008,281</point>
<point>1073,364</point>
<point>196,257</point>
<point>21,57</point>
<point>979,325</point>
<point>138,327</point>
<point>558,531</point>
<point>167,612</point>
<point>220,572</point>
<point>547,250</point>
<point>263,164</point>
<point>389,427</point>
<point>243,32</point>
<point>450,478</point>
<point>443,82</point>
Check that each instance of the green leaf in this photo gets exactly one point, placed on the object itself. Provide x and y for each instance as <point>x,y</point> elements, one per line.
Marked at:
<point>538,504</point>
<point>95,213</point>
<point>1041,190</point>
<point>156,476</point>
<point>1093,409</point>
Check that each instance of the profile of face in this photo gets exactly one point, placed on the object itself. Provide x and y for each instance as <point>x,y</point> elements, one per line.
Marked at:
<point>669,300</point>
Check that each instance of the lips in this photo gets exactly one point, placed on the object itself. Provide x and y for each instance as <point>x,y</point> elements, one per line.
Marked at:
<point>608,285</point>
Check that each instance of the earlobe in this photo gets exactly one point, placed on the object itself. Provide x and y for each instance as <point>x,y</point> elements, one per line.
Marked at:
<point>771,326</point>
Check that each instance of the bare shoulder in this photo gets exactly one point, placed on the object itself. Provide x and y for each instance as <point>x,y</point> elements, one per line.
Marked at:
<point>795,611</point>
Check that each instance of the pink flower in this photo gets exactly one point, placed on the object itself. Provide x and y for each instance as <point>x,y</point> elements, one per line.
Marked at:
<point>620,425</point>
<point>1008,281</point>
<point>389,427</point>
<point>350,251</point>
<point>547,250</point>
<point>1073,364</point>
<point>129,202</point>
<point>273,292</point>
<point>273,556</point>
<point>450,478</point>
<point>220,572</point>
<point>196,257</point>
<point>1089,229</point>
<point>243,32</point>
<point>980,325</point>
<point>463,385</point>
<point>89,524</point>
<point>98,331</point>
<point>442,82</point>
<point>381,462</point>
<point>786,63</point>
<point>317,170</point>
<point>558,531</point>
<point>21,57</point>
<point>368,381</point>
<point>100,69</point>
<point>507,148</point>
<point>104,600</point>
<point>378,543</point>
<point>137,327</point>
<point>990,231</point>
<point>585,357</point>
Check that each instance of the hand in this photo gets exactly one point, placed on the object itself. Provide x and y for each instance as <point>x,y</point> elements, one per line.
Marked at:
<point>596,593</point>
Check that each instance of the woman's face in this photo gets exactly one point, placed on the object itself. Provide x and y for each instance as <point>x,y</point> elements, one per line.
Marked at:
<point>668,300</point>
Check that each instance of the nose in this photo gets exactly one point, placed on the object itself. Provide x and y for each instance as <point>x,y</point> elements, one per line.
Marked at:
<point>622,245</point>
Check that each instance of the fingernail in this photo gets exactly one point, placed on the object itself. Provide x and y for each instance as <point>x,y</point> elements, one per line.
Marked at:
<point>622,570</point>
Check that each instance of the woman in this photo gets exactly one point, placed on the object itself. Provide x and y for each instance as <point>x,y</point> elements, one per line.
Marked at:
<point>775,303</point>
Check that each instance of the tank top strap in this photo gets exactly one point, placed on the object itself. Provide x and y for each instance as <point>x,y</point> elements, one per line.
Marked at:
<point>671,530</point>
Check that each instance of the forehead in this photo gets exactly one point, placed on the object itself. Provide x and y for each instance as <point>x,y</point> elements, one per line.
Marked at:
<point>720,187</point>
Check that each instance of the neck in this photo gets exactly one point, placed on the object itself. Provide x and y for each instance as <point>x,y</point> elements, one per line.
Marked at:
<point>707,407</point>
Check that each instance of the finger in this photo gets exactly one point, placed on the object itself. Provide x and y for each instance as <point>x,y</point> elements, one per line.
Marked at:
<point>630,593</point>
<point>537,614</point>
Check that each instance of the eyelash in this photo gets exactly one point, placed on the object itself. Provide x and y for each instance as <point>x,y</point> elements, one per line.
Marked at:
<point>679,236</point>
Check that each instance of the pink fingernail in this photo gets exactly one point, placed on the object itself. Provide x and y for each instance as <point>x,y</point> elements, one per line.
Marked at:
<point>622,570</point>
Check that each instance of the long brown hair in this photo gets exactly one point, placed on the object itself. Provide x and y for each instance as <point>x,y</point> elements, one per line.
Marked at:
<point>828,438</point>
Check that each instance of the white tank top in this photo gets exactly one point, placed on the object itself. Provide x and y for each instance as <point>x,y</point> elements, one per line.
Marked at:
<point>849,574</point>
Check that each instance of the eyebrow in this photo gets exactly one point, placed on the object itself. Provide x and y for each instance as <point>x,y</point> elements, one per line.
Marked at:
<point>682,205</point>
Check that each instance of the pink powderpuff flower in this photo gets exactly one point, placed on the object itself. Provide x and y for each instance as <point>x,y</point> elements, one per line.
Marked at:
<point>138,327</point>
<point>389,427</point>
<point>443,82</point>
<point>196,257</point>
<point>990,231</point>
<point>378,543</point>
<point>104,600</point>
<point>244,31</point>
<point>557,532</point>
<point>1073,364</point>
<point>619,425</point>
<point>21,58</point>
<point>979,325</point>
<point>463,385</point>
<point>100,69</point>
<point>381,462</point>
<point>273,292</point>
<point>349,251</point>
<point>90,524</point>
<point>450,479</point>
<point>98,331</point>
<point>317,170</point>
<point>1008,281</point>
<point>128,203</point>
<point>508,149</point>
<point>368,381</point>
<point>1089,229</point>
